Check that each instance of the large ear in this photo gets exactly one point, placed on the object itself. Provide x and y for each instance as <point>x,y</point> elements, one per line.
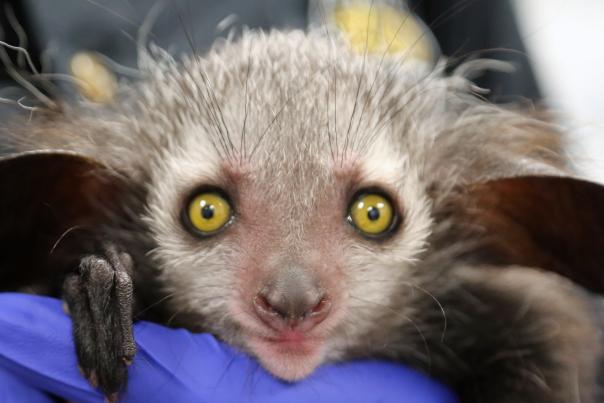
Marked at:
<point>554,223</point>
<point>48,200</point>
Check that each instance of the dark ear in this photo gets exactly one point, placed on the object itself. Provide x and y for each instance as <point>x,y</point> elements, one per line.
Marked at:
<point>50,202</point>
<point>554,223</point>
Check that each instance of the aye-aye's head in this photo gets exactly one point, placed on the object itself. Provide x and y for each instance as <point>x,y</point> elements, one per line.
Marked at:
<point>290,186</point>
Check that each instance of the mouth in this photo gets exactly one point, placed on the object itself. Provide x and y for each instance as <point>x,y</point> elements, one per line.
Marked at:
<point>290,355</point>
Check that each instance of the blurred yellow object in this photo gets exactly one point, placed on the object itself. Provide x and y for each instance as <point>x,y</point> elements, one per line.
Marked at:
<point>382,28</point>
<point>95,81</point>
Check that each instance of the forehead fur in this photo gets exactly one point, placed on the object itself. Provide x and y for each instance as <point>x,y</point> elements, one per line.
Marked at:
<point>300,100</point>
<point>303,100</point>
<point>278,100</point>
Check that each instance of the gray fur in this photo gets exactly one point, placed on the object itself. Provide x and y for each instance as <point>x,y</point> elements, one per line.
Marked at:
<point>288,109</point>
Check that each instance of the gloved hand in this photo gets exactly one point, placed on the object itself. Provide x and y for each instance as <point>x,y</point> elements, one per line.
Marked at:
<point>37,358</point>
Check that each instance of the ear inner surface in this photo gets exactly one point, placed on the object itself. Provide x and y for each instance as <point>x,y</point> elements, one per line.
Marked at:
<point>553,223</point>
<point>50,202</point>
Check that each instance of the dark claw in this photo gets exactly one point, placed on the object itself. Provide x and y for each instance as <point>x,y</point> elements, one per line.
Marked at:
<point>100,301</point>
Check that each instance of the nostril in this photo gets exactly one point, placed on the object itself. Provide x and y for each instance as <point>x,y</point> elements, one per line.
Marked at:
<point>322,307</point>
<point>262,305</point>
<point>304,315</point>
<point>320,311</point>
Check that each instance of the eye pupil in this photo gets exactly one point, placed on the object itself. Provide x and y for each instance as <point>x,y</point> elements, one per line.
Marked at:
<point>207,211</point>
<point>373,213</point>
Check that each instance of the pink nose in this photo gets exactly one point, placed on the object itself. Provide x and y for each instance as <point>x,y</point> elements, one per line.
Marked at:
<point>291,312</point>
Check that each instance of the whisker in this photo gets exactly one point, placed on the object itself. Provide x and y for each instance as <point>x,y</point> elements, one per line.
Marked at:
<point>246,100</point>
<point>430,295</point>
<point>391,113</point>
<point>442,18</point>
<point>369,94</point>
<point>154,304</point>
<point>438,21</point>
<point>62,236</point>
<point>208,96</point>
<point>437,302</point>
<point>359,82</point>
<point>381,62</point>
<point>323,17</point>
<point>417,328</point>
<point>280,111</point>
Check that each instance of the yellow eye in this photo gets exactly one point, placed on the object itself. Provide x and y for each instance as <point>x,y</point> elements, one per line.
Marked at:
<point>208,212</point>
<point>372,214</point>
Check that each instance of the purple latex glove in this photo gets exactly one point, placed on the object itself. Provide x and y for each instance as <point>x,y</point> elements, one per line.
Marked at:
<point>37,356</point>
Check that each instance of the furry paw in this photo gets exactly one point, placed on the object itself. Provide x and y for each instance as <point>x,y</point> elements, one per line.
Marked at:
<point>99,298</point>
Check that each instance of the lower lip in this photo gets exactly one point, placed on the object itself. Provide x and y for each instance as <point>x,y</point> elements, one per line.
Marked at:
<point>286,359</point>
<point>295,343</point>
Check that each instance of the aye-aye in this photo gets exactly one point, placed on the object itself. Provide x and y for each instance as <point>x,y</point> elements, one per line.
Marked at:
<point>306,204</point>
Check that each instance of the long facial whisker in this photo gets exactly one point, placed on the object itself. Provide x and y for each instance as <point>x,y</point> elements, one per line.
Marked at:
<point>329,135</point>
<point>154,304</point>
<point>393,111</point>
<point>284,105</point>
<point>442,18</point>
<point>381,62</point>
<point>436,301</point>
<point>63,235</point>
<point>431,296</point>
<point>332,137</point>
<point>174,315</point>
<point>246,106</point>
<point>369,94</point>
<point>209,95</point>
<point>359,82</point>
<point>219,147</point>
<point>405,317</point>
<point>438,21</point>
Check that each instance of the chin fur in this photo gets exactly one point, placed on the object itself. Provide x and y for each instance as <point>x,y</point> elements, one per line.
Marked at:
<point>287,363</point>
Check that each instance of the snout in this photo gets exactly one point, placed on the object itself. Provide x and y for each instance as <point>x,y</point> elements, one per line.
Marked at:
<point>289,313</point>
<point>294,309</point>
<point>292,301</point>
